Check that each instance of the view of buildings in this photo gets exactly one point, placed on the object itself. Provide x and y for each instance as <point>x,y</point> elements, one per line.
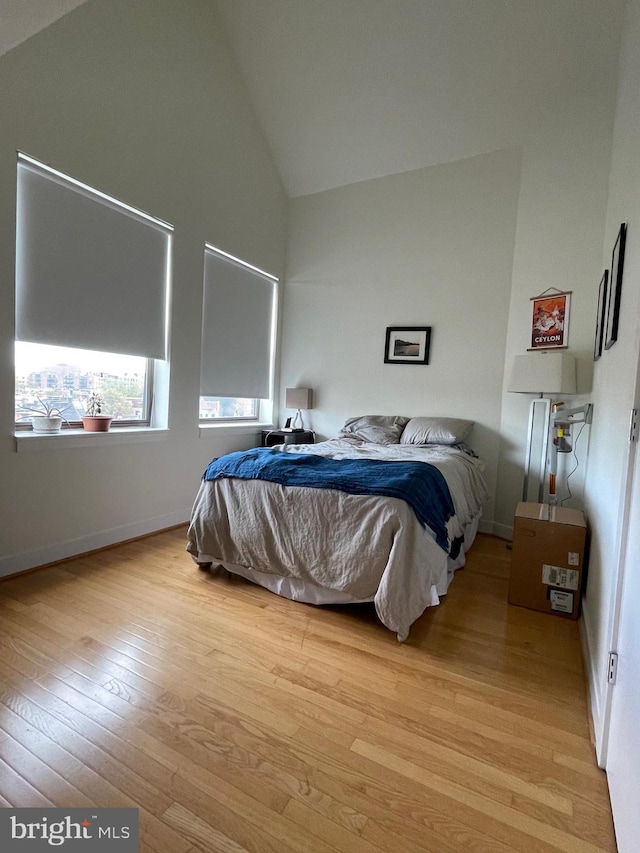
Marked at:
<point>67,386</point>
<point>65,378</point>
<point>227,407</point>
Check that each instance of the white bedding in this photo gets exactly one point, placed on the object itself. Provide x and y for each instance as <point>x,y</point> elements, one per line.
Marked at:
<point>327,546</point>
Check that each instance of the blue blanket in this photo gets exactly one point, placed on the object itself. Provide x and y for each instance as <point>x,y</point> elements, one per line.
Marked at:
<point>421,485</point>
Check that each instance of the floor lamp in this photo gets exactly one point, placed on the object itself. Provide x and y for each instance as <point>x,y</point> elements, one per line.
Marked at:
<point>546,374</point>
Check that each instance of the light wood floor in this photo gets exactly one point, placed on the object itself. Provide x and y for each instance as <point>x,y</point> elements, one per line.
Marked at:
<point>236,720</point>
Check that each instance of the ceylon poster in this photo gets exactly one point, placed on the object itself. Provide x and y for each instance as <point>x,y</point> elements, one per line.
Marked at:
<point>550,320</point>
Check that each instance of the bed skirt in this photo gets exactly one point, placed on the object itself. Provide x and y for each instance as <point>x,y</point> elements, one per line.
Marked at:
<point>297,589</point>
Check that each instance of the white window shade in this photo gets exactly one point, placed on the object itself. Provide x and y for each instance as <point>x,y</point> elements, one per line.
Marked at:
<point>237,329</point>
<point>90,273</point>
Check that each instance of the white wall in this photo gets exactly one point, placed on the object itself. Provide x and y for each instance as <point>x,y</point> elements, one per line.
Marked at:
<point>614,380</point>
<point>140,99</point>
<point>463,247</point>
<point>430,247</point>
<point>559,238</point>
<point>388,250</point>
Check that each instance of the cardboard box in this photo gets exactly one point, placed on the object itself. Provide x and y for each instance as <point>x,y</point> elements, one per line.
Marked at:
<point>547,559</point>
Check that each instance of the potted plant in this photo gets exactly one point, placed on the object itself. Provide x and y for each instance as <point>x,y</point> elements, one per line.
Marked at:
<point>93,420</point>
<point>47,417</point>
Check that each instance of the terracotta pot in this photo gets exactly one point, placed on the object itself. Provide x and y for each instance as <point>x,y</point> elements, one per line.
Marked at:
<point>96,423</point>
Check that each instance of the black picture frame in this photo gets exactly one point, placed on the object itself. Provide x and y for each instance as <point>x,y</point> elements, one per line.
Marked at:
<point>407,345</point>
<point>601,315</point>
<point>615,287</point>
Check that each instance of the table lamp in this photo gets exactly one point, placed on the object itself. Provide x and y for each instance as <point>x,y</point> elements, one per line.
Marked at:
<point>298,398</point>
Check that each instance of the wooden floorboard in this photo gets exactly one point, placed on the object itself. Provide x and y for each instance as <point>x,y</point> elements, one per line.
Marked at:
<point>235,720</point>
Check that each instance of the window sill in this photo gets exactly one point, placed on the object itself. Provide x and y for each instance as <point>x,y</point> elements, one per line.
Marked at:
<point>73,438</point>
<point>227,428</point>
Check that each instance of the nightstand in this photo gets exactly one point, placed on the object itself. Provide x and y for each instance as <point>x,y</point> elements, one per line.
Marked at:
<point>278,436</point>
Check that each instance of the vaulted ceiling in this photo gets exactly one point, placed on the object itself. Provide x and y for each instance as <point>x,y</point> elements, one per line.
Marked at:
<point>347,90</point>
<point>20,19</point>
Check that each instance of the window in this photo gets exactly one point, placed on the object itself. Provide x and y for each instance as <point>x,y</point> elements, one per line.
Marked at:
<point>238,338</point>
<point>66,377</point>
<point>92,296</point>
<point>229,408</point>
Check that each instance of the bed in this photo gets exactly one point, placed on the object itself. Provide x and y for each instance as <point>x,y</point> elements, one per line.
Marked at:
<point>305,521</point>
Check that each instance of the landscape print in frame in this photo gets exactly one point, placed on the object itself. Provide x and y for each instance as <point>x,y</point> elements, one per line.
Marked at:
<point>407,345</point>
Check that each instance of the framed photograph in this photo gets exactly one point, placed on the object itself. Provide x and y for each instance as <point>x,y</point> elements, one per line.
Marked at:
<point>601,315</point>
<point>615,287</point>
<point>550,320</point>
<point>407,345</point>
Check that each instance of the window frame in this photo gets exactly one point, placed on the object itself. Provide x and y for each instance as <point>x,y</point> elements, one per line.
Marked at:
<point>264,407</point>
<point>233,419</point>
<point>116,423</point>
<point>155,399</point>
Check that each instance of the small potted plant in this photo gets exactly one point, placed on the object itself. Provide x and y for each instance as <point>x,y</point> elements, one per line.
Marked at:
<point>93,420</point>
<point>47,417</point>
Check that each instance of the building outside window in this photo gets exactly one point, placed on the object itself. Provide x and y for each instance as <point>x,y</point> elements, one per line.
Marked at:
<point>66,377</point>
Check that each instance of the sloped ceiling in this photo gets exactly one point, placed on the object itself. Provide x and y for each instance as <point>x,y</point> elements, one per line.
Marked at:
<point>21,19</point>
<point>348,90</point>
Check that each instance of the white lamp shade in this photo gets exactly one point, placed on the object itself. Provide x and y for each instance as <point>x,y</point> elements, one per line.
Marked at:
<point>298,398</point>
<point>543,373</point>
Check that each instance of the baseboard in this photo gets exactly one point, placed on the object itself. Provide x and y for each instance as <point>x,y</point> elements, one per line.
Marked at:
<point>595,696</point>
<point>16,563</point>
<point>503,531</point>
<point>493,528</point>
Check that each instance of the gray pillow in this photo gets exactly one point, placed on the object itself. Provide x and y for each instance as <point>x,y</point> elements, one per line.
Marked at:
<point>378,429</point>
<point>436,431</point>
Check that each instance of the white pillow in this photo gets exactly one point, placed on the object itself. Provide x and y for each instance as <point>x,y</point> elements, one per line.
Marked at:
<point>377,429</point>
<point>436,431</point>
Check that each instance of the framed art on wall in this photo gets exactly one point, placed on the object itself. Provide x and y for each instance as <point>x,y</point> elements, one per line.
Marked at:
<point>615,287</point>
<point>550,320</point>
<point>407,345</point>
<point>601,315</point>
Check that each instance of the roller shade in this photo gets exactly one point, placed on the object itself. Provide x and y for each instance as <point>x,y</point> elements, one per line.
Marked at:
<point>91,273</point>
<point>237,324</point>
